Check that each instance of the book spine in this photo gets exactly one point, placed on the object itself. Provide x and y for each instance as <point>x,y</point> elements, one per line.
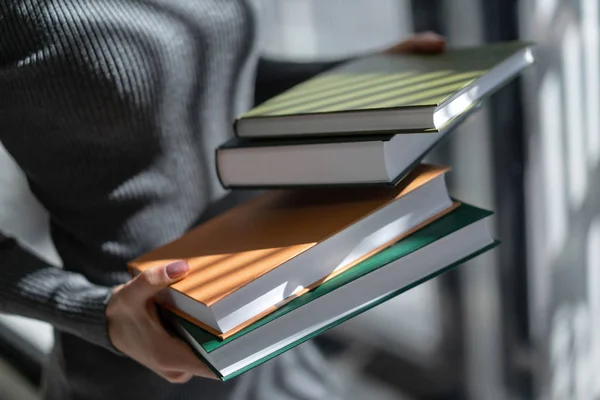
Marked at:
<point>236,127</point>
<point>218,171</point>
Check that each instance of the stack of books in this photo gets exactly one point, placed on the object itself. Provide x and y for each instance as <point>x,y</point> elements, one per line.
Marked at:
<point>349,216</point>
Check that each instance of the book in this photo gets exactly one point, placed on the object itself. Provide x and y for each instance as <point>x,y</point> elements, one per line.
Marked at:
<point>385,92</point>
<point>249,260</point>
<point>365,160</point>
<point>442,245</point>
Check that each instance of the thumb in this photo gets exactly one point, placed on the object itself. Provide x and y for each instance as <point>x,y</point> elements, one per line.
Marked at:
<point>153,280</point>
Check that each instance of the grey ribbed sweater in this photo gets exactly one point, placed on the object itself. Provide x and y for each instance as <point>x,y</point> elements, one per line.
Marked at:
<point>113,109</point>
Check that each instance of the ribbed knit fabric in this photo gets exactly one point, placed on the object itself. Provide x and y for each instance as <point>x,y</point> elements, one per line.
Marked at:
<point>113,109</point>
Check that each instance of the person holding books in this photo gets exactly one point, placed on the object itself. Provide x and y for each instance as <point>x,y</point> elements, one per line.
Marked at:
<point>113,109</point>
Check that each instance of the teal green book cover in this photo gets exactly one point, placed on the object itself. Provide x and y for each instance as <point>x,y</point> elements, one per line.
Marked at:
<point>463,216</point>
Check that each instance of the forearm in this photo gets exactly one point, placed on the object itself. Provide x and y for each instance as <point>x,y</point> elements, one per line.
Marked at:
<point>32,288</point>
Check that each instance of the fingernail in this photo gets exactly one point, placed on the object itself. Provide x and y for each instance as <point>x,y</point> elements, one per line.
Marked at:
<point>176,269</point>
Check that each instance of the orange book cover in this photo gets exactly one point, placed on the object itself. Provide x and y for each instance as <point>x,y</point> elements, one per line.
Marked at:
<point>246,242</point>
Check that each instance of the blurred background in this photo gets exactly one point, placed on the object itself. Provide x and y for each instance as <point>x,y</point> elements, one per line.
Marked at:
<point>520,322</point>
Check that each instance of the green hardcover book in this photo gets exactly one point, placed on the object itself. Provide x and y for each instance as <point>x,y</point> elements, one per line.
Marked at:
<point>415,93</point>
<point>442,245</point>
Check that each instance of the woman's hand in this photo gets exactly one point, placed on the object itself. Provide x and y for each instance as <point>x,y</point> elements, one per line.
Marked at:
<point>426,42</point>
<point>135,328</point>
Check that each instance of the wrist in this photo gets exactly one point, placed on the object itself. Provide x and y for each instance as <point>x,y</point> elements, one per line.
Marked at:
<point>110,314</point>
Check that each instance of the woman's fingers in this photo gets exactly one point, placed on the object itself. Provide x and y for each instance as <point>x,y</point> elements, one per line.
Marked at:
<point>176,376</point>
<point>426,42</point>
<point>135,328</point>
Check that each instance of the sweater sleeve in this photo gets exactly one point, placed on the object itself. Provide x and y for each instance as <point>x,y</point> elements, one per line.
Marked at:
<point>32,288</point>
<point>44,75</point>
